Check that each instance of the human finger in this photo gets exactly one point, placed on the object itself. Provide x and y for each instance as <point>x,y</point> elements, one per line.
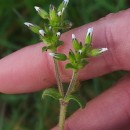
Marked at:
<point>29,69</point>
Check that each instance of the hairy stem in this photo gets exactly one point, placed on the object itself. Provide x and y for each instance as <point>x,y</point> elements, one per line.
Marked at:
<point>59,82</point>
<point>72,83</point>
<point>63,107</point>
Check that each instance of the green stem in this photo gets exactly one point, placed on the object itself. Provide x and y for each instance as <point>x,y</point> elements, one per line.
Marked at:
<point>59,82</point>
<point>63,107</point>
<point>72,83</point>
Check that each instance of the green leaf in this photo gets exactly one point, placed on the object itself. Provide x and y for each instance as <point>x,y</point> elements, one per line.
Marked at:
<point>51,92</point>
<point>88,38</point>
<point>59,43</point>
<point>76,99</point>
<point>54,19</point>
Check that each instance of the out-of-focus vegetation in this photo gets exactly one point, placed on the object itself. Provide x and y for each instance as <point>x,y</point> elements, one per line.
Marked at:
<point>28,111</point>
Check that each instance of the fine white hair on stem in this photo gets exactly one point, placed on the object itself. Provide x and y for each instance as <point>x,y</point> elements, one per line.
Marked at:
<point>90,31</point>
<point>28,24</point>
<point>73,37</point>
<point>41,32</point>
<point>103,50</point>
<point>37,8</point>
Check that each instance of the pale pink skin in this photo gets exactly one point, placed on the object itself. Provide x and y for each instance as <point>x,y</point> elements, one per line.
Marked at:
<point>29,70</point>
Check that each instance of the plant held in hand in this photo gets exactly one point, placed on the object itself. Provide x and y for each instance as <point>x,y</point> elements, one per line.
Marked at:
<point>54,25</point>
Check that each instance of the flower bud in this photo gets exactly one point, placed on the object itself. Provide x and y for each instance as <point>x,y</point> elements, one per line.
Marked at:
<point>75,43</point>
<point>63,5</point>
<point>58,56</point>
<point>32,27</point>
<point>96,52</point>
<point>53,14</point>
<point>41,32</point>
<point>71,56</point>
<point>88,38</point>
<point>42,12</point>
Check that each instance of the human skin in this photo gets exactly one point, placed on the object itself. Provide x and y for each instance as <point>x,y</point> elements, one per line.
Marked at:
<point>30,70</point>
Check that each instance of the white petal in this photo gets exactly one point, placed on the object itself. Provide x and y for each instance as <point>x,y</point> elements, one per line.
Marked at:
<point>73,36</point>
<point>28,24</point>
<point>59,13</point>
<point>103,50</point>
<point>90,31</point>
<point>52,54</point>
<point>42,32</point>
<point>80,51</point>
<point>66,1</point>
<point>37,8</point>
<point>58,33</point>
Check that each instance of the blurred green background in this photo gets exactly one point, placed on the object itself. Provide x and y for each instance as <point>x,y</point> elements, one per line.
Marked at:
<point>28,111</point>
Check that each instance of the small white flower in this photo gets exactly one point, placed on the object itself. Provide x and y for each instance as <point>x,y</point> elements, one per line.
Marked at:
<point>52,54</point>
<point>58,34</point>
<point>73,37</point>
<point>90,31</point>
<point>103,50</point>
<point>59,13</point>
<point>28,24</point>
<point>41,32</point>
<point>80,51</point>
<point>66,1</point>
<point>37,8</point>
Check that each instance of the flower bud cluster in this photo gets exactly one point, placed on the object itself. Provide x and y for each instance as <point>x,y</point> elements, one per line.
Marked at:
<point>79,57</point>
<point>54,22</point>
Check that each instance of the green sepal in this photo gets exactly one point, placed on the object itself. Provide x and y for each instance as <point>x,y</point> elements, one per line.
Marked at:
<point>62,5</point>
<point>76,44</point>
<point>76,99</point>
<point>94,52</point>
<point>88,40</point>
<point>43,13</point>
<point>67,25</point>
<point>35,29</point>
<point>59,43</point>
<point>51,92</point>
<point>78,56</point>
<point>59,56</point>
<point>71,56</point>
